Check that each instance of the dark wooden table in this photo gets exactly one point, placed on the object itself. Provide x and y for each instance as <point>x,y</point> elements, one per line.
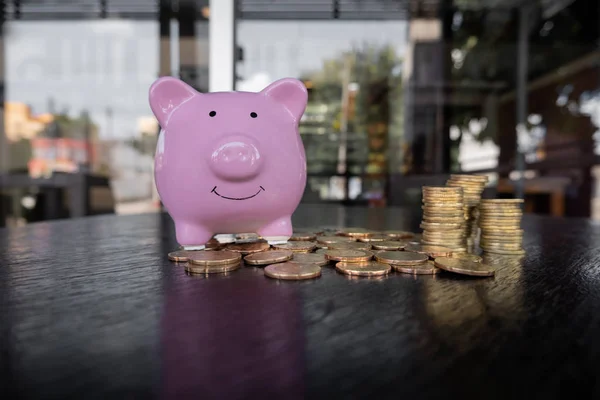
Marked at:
<point>91,309</point>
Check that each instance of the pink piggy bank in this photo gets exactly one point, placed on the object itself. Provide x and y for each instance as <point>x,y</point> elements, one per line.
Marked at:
<point>230,162</point>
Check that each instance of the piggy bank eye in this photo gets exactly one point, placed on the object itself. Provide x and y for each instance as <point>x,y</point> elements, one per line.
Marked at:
<point>212,113</point>
<point>253,114</point>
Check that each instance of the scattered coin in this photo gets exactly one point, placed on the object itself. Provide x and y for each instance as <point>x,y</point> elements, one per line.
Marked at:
<point>182,255</point>
<point>246,237</point>
<point>348,255</point>
<point>350,245</point>
<point>374,238</point>
<point>303,236</point>
<point>268,257</point>
<point>334,239</point>
<point>426,268</point>
<point>368,268</point>
<point>211,269</point>
<point>355,232</point>
<point>464,267</point>
<point>299,246</point>
<point>310,258</point>
<point>389,245</point>
<point>399,234</point>
<point>292,271</point>
<point>400,257</point>
<point>212,258</point>
<point>467,256</point>
<point>247,248</point>
<point>431,251</point>
<point>320,251</point>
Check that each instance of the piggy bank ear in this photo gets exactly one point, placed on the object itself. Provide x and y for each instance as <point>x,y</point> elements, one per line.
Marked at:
<point>289,92</point>
<point>166,94</point>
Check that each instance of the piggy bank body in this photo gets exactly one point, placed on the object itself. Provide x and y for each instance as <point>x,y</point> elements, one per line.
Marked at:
<point>229,162</point>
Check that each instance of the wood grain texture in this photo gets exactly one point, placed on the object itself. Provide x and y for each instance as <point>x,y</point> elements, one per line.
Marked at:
<point>91,308</point>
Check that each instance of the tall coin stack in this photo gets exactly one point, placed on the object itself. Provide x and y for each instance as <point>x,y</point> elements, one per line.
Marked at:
<point>473,186</point>
<point>443,217</point>
<point>500,224</point>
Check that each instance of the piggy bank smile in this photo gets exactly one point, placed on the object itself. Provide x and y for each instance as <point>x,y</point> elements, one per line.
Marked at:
<point>261,189</point>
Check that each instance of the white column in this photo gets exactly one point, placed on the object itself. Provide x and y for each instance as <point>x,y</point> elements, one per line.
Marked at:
<point>221,45</point>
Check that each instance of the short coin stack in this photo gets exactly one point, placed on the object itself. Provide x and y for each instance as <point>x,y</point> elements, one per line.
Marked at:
<point>443,217</point>
<point>473,186</point>
<point>500,224</point>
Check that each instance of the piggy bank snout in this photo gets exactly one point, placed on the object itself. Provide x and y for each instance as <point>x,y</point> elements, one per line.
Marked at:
<point>235,159</point>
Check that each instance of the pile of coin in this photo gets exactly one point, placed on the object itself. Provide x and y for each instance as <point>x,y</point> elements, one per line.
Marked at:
<point>444,218</point>
<point>500,223</point>
<point>407,262</point>
<point>473,186</point>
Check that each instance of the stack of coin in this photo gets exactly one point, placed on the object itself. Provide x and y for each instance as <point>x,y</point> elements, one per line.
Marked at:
<point>500,224</point>
<point>407,262</point>
<point>443,218</point>
<point>473,186</point>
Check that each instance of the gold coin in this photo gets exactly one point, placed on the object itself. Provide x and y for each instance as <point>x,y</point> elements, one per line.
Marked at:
<point>246,237</point>
<point>389,245</point>
<point>303,236</point>
<point>310,258</point>
<point>431,251</point>
<point>441,190</point>
<point>489,226</point>
<point>374,238</point>
<point>434,212</point>
<point>426,268</point>
<point>212,269</point>
<point>502,201</point>
<point>400,257</point>
<point>334,239</point>
<point>247,248</point>
<point>182,255</point>
<point>467,256</point>
<point>450,238</point>
<point>467,187</point>
<point>368,268</point>
<point>212,258</point>
<point>469,177</point>
<point>485,239</point>
<point>464,267</point>
<point>213,244</point>
<point>451,246</point>
<point>399,234</point>
<point>292,271</point>
<point>438,199</point>
<point>268,257</point>
<point>501,246</point>
<point>298,246</point>
<point>349,255</point>
<point>444,220</point>
<point>502,232</point>
<point>313,231</point>
<point>354,232</point>
<point>349,245</point>
<point>451,206</point>
<point>434,226</point>
<point>506,252</point>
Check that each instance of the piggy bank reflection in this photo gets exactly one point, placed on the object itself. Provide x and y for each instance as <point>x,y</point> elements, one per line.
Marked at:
<point>229,162</point>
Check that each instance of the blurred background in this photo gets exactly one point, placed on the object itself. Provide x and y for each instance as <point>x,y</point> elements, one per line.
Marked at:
<point>401,94</point>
